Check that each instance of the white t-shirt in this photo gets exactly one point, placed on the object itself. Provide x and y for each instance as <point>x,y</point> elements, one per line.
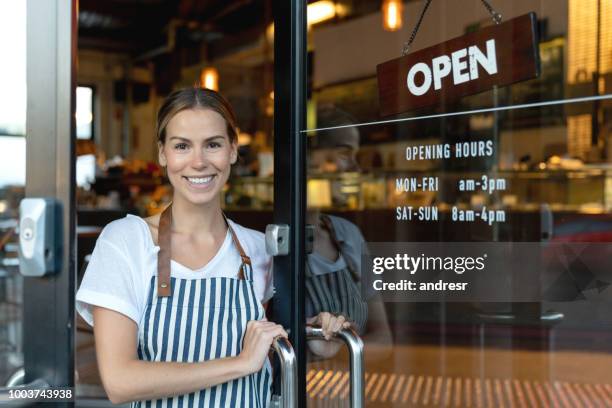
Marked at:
<point>124,259</point>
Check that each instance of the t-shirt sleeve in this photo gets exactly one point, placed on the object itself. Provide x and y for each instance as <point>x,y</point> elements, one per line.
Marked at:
<point>109,281</point>
<point>262,269</point>
<point>353,241</point>
<point>356,247</point>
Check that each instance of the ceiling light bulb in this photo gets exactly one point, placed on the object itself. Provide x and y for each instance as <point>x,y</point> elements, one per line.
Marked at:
<point>209,78</point>
<point>392,11</point>
<point>320,11</point>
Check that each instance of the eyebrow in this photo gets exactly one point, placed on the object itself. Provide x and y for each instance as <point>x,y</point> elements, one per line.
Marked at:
<point>208,139</point>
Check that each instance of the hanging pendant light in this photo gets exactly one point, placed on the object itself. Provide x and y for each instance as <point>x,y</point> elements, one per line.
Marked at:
<point>209,78</point>
<point>392,11</point>
<point>320,11</point>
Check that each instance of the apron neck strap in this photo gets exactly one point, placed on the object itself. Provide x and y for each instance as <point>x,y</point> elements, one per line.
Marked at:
<point>329,226</point>
<point>164,235</point>
<point>164,238</point>
<point>246,261</point>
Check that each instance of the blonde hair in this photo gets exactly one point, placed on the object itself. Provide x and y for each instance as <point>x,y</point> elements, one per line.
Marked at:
<point>195,98</point>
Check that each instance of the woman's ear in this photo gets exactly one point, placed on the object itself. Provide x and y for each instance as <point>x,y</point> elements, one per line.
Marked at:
<point>161,156</point>
<point>234,153</point>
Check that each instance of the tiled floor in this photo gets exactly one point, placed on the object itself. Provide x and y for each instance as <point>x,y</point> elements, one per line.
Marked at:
<point>423,375</point>
<point>434,376</point>
<point>329,388</point>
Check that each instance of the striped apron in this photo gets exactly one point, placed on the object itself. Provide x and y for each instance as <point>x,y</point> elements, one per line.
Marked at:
<point>194,320</point>
<point>338,291</point>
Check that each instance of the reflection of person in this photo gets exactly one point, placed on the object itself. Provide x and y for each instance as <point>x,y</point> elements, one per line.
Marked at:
<point>333,283</point>
<point>335,150</point>
<point>167,328</point>
<point>333,269</point>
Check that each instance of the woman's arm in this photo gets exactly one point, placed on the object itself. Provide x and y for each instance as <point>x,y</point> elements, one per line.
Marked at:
<point>126,378</point>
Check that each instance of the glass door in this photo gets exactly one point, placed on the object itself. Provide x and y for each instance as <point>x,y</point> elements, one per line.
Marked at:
<point>516,175</point>
<point>289,182</point>
<point>37,236</point>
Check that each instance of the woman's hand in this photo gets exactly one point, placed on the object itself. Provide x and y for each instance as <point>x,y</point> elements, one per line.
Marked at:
<point>329,323</point>
<point>256,344</point>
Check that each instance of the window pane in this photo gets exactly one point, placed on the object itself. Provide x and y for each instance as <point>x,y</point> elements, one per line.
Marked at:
<point>12,68</point>
<point>12,178</point>
<point>84,112</point>
<point>546,180</point>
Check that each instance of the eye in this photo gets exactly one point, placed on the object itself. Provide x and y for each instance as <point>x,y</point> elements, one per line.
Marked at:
<point>214,145</point>
<point>180,146</point>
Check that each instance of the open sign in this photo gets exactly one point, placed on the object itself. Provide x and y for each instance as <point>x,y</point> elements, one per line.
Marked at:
<point>497,55</point>
<point>463,68</point>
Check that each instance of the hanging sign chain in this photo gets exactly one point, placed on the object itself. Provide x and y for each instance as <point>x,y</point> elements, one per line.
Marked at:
<point>408,44</point>
<point>495,16</point>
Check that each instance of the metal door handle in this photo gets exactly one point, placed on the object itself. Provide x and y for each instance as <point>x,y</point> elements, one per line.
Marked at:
<point>355,346</point>
<point>277,239</point>
<point>288,398</point>
<point>15,382</point>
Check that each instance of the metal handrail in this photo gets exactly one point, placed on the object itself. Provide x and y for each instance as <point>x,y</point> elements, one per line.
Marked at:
<point>16,379</point>
<point>355,346</point>
<point>288,362</point>
<point>15,382</point>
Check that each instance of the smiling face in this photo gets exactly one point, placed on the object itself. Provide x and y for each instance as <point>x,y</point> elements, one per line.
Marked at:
<point>198,155</point>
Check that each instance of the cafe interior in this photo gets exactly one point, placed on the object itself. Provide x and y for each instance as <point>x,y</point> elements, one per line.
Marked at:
<point>555,158</point>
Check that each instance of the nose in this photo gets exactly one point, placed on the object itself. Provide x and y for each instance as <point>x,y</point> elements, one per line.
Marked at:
<point>199,159</point>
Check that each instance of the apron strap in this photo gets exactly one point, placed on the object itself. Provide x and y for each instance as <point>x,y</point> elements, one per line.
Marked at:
<point>246,261</point>
<point>164,256</point>
<point>164,235</point>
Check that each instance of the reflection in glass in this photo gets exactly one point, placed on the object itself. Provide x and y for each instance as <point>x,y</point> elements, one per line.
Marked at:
<point>548,179</point>
<point>333,269</point>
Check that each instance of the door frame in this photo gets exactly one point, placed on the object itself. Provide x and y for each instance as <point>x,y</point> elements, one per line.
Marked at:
<point>48,302</point>
<point>290,56</point>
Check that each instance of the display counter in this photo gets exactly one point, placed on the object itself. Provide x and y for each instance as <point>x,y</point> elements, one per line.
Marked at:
<point>587,190</point>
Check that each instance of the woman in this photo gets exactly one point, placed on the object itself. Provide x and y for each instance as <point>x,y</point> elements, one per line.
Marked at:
<point>178,299</point>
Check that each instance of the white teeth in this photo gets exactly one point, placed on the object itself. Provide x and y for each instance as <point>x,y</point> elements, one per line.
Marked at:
<point>200,180</point>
